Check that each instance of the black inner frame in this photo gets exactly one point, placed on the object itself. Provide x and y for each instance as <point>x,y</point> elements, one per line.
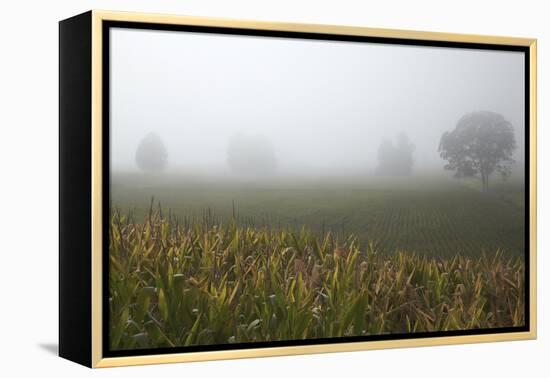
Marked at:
<point>107,25</point>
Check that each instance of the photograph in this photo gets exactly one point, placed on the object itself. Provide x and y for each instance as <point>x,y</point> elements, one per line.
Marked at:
<point>272,190</point>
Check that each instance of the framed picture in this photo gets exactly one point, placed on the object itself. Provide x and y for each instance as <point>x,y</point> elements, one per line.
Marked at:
<point>235,189</point>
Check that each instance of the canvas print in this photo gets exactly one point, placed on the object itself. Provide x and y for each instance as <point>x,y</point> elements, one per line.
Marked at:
<point>273,189</point>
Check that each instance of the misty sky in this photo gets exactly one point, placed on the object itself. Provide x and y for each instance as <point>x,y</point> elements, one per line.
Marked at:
<point>323,105</point>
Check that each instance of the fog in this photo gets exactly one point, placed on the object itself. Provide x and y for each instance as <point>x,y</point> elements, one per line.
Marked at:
<point>320,106</point>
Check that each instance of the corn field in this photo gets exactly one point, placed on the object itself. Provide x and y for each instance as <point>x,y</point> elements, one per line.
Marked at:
<point>204,282</point>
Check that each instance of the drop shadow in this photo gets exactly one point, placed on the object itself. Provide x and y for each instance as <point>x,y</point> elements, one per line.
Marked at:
<point>51,348</point>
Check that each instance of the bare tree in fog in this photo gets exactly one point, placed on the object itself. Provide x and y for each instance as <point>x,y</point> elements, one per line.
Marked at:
<point>151,154</point>
<point>396,159</point>
<point>251,155</point>
<point>482,143</point>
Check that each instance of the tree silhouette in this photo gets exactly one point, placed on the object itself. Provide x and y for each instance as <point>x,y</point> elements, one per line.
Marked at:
<point>395,160</point>
<point>251,155</point>
<point>404,151</point>
<point>482,143</point>
<point>151,154</point>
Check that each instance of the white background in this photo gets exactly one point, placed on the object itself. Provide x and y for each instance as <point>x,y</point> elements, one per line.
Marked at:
<point>29,190</point>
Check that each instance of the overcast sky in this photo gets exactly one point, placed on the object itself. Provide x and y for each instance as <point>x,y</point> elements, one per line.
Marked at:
<point>323,105</point>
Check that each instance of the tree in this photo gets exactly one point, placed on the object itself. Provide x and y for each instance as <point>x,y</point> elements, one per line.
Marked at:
<point>482,143</point>
<point>395,160</point>
<point>251,155</point>
<point>404,152</point>
<point>151,154</point>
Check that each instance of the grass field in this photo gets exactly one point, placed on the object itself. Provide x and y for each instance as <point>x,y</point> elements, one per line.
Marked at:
<point>198,283</point>
<point>427,215</point>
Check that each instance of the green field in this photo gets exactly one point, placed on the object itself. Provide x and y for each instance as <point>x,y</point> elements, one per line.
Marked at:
<point>216,261</point>
<point>202,283</point>
<point>425,214</point>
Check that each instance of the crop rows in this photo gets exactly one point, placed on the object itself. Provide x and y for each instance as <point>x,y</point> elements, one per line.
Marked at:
<point>204,282</point>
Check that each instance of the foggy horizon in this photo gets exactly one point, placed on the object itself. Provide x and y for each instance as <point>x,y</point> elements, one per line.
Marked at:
<point>322,106</point>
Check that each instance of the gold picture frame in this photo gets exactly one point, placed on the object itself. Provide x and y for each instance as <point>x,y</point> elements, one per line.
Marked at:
<point>91,24</point>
